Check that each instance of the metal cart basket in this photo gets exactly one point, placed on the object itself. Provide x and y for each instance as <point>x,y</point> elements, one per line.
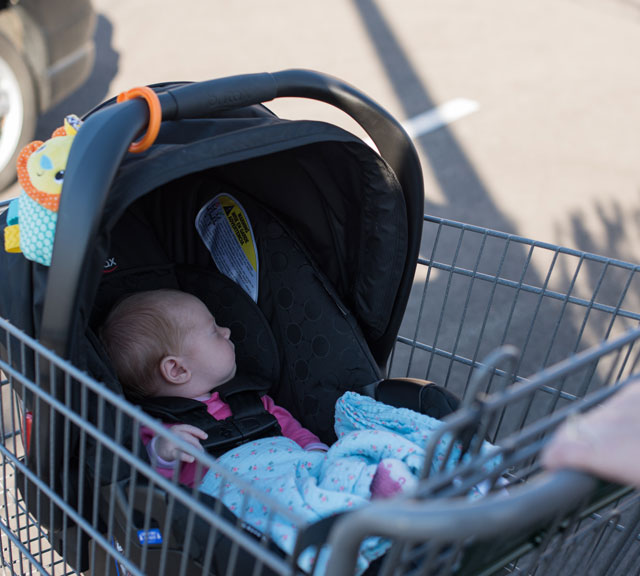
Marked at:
<point>526,333</point>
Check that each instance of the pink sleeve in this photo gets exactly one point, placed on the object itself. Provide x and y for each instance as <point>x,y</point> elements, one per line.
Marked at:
<point>291,428</point>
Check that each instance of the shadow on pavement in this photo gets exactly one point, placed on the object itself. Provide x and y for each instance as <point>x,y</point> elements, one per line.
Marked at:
<point>464,190</point>
<point>475,291</point>
<point>93,91</point>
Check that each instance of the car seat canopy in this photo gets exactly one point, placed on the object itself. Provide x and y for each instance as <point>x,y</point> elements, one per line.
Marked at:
<point>334,192</point>
<point>335,196</point>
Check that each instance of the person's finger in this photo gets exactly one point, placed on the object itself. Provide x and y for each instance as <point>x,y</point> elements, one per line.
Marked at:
<point>566,452</point>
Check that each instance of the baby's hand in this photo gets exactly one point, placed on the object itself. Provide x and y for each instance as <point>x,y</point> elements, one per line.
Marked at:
<point>168,451</point>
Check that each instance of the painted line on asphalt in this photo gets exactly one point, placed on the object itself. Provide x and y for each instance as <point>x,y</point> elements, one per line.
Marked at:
<point>440,116</point>
<point>436,118</point>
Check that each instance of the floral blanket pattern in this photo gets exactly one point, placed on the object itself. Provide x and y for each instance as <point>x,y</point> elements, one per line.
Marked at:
<point>314,485</point>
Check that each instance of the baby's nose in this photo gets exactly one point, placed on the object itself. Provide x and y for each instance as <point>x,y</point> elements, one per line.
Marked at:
<point>226,332</point>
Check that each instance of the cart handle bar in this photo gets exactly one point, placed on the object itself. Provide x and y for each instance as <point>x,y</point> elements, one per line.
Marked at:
<point>541,502</point>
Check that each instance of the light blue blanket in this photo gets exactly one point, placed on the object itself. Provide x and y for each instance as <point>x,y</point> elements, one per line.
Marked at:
<point>314,485</point>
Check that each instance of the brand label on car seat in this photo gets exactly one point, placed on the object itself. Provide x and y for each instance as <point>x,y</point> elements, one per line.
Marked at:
<point>226,231</point>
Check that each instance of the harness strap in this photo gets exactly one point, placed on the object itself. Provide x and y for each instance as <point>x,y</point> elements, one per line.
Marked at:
<point>249,420</point>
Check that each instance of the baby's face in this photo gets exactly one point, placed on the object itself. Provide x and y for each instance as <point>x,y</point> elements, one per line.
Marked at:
<point>208,350</point>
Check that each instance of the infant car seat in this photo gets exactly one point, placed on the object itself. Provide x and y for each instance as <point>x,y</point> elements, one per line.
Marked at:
<point>337,230</point>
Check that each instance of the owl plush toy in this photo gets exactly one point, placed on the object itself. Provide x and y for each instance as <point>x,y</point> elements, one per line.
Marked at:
<point>32,217</point>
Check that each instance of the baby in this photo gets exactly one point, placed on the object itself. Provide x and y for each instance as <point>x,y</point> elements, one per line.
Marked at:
<point>167,343</point>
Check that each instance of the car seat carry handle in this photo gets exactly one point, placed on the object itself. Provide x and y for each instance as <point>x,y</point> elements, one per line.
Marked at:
<point>94,159</point>
<point>205,99</point>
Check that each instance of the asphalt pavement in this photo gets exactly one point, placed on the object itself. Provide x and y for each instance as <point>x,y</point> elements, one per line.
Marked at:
<point>550,149</point>
<point>526,115</point>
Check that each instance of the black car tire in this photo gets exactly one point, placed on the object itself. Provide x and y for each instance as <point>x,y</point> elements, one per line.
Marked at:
<point>17,127</point>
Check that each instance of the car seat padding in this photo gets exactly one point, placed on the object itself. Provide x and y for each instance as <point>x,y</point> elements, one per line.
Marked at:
<point>300,336</point>
<point>323,352</point>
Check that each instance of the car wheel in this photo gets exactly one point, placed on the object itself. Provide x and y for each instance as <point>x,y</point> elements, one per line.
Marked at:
<point>17,109</point>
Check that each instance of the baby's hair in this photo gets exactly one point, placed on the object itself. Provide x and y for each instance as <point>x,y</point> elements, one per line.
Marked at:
<point>139,331</point>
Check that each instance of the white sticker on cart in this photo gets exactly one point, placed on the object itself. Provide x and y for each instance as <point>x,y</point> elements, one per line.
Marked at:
<point>121,570</point>
<point>226,231</point>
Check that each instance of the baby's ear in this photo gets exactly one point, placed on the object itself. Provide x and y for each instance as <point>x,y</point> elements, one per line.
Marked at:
<point>174,370</point>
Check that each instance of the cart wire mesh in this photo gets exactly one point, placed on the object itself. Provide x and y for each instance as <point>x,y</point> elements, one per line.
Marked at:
<point>122,510</point>
<point>478,289</point>
<point>526,333</point>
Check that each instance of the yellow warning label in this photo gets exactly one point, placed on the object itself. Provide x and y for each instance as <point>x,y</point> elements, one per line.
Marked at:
<point>226,231</point>
<point>240,227</point>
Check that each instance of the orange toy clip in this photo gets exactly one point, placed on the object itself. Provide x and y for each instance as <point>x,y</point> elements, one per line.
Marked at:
<point>155,116</point>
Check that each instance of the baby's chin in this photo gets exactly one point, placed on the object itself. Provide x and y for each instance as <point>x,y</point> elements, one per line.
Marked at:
<point>231,376</point>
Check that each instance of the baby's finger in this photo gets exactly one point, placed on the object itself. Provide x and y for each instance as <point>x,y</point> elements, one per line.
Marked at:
<point>195,442</point>
<point>188,458</point>
<point>192,430</point>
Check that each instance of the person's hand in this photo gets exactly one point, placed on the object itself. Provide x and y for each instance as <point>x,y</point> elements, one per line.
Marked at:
<point>603,441</point>
<point>169,452</point>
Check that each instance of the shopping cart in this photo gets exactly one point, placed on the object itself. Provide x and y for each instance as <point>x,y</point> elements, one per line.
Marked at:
<point>526,333</point>
<point>564,333</point>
